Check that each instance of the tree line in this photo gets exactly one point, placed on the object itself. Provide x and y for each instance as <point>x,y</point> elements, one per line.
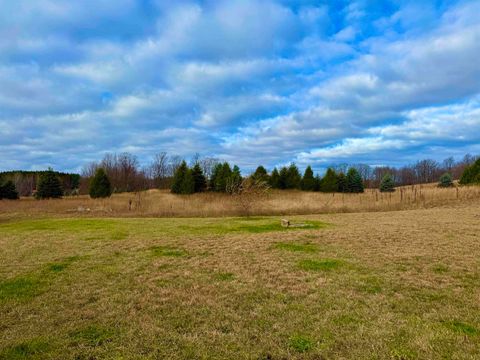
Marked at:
<point>122,173</point>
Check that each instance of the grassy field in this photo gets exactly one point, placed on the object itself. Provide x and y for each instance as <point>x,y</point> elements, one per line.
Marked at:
<point>155,203</point>
<point>372,285</point>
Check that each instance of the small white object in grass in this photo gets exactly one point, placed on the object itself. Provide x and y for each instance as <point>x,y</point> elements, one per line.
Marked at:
<point>285,223</point>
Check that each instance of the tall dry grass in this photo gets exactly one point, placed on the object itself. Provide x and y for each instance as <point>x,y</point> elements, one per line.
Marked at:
<point>157,203</point>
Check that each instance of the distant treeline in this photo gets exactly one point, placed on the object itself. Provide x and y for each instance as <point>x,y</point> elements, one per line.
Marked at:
<point>125,174</point>
<point>26,182</point>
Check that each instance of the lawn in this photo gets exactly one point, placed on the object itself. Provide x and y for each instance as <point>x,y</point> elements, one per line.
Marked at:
<point>401,285</point>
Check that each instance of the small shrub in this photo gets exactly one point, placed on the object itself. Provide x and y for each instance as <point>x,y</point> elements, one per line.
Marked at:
<point>387,184</point>
<point>445,180</point>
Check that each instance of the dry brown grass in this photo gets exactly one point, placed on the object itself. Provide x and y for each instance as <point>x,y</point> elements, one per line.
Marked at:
<point>383,285</point>
<point>154,203</point>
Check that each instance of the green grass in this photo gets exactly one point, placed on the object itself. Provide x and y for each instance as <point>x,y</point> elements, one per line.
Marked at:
<point>31,349</point>
<point>21,288</point>
<point>92,335</point>
<point>320,265</point>
<point>168,251</point>
<point>241,288</point>
<point>225,276</point>
<point>300,343</point>
<point>297,247</point>
<point>462,328</point>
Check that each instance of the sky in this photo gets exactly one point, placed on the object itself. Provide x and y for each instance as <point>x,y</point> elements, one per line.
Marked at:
<point>248,81</point>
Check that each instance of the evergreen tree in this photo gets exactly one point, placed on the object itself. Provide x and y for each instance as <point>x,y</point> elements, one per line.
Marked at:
<point>318,183</point>
<point>261,174</point>
<point>294,178</point>
<point>329,181</point>
<point>354,183</point>
<point>471,174</point>
<point>100,186</point>
<point>308,181</point>
<point>183,182</point>
<point>275,179</point>
<point>215,175</point>
<point>199,180</point>
<point>445,180</point>
<point>188,184</point>
<point>283,178</point>
<point>342,182</point>
<point>49,186</point>
<point>223,177</point>
<point>387,184</point>
<point>8,191</point>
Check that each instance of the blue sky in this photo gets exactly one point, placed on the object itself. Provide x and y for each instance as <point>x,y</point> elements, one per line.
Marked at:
<point>249,81</point>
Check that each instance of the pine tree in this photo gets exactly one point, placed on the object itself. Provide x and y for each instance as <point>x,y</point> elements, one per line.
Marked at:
<point>274,179</point>
<point>318,183</point>
<point>199,180</point>
<point>308,181</point>
<point>183,180</point>
<point>329,181</point>
<point>49,186</point>
<point>294,178</point>
<point>471,174</point>
<point>8,191</point>
<point>342,182</point>
<point>260,174</point>
<point>387,184</point>
<point>215,175</point>
<point>100,186</point>
<point>283,178</point>
<point>188,184</point>
<point>445,180</point>
<point>354,181</point>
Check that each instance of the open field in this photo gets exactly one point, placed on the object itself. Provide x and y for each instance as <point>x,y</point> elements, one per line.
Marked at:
<point>155,203</point>
<point>372,285</point>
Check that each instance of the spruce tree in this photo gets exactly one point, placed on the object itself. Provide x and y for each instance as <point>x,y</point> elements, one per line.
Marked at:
<point>294,178</point>
<point>445,180</point>
<point>342,182</point>
<point>199,180</point>
<point>260,174</point>
<point>223,177</point>
<point>283,178</point>
<point>100,186</point>
<point>329,181</point>
<point>471,174</point>
<point>387,184</point>
<point>274,179</point>
<point>179,178</point>
<point>308,181</point>
<point>188,184</point>
<point>8,191</point>
<point>216,173</point>
<point>318,183</point>
<point>354,181</point>
<point>49,186</point>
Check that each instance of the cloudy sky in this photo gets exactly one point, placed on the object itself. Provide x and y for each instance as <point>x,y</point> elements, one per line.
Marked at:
<point>249,81</point>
